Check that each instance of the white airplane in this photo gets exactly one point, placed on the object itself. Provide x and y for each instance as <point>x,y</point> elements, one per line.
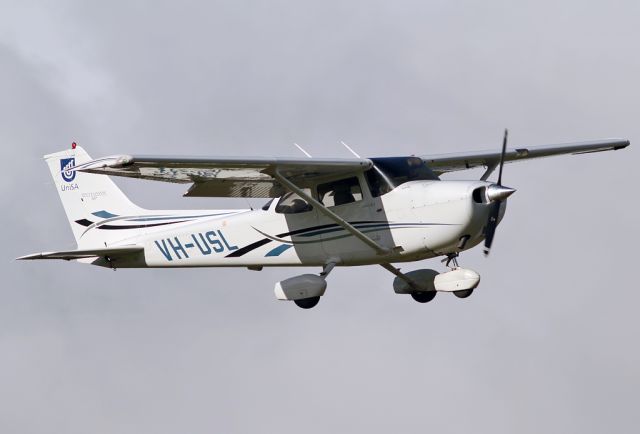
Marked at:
<point>324,212</point>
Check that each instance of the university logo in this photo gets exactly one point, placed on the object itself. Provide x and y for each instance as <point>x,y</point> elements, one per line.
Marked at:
<point>65,165</point>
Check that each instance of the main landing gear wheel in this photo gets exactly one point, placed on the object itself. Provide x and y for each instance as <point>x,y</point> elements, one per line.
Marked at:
<point>423,297</point>
<point>464,293</point>
<point>307,303</point>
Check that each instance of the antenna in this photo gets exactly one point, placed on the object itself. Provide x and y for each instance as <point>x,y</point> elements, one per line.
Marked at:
<point>350,150</point>
<point>303,151</point>
<point>246,199</point>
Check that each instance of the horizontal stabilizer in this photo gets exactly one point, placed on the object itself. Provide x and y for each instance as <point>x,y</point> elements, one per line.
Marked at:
<point>68,255</point>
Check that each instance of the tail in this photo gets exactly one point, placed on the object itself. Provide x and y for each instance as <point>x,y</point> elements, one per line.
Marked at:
<point>86,196</point>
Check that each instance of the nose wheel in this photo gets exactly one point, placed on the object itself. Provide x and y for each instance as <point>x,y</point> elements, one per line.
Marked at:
<point>452,258</point>
<point>463,294</point>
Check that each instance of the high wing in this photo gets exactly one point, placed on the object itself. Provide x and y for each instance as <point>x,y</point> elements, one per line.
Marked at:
<point>257,177</point>
<point>225,177</point>
<point>444,163</point>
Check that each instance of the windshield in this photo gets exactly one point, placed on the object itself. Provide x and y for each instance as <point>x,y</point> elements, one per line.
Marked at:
<point>390,172</point>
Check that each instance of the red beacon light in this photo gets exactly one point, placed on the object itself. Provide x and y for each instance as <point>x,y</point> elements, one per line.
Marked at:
<point>73,145</point>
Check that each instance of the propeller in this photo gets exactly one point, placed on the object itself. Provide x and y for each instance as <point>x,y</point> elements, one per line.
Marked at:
<point>496,193</point>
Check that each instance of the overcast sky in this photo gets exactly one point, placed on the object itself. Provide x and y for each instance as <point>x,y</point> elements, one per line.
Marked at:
<point>548,342</point>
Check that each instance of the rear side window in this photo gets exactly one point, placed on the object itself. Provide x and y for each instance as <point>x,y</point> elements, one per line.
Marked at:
<point>340,192</point>
<point>291,203</point>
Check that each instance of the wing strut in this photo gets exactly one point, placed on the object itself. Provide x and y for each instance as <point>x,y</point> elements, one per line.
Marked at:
<point>490,168</point>
<point>333,216</point>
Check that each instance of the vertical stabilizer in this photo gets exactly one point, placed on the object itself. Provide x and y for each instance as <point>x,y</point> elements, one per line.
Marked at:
<point>86,195</point>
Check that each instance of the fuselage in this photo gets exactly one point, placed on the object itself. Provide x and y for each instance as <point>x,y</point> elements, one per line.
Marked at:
<point>415,220</point>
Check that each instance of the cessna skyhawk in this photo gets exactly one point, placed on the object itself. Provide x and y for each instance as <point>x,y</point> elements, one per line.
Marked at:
<point>323,212</point>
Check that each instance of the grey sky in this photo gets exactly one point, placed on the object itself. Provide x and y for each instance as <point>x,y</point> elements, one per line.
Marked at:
<point>548,343</point>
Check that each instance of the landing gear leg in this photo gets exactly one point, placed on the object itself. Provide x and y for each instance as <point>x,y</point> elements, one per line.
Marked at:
<point>451,257</point>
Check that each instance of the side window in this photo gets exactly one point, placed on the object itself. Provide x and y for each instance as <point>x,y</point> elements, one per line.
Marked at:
<point>291,203</point>
<point>340,192</point>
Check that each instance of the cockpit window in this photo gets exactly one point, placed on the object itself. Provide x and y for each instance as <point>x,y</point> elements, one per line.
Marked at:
<point>340,192</point>
<point>291,203</point>
<point>390,172</point>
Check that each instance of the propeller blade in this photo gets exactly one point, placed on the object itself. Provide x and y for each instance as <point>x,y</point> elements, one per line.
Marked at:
<point>504,151</point>
<point>490,229</point>
<point>496,193</point>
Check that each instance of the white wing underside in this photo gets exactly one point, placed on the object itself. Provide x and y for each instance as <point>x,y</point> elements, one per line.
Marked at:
<point>253,177</point>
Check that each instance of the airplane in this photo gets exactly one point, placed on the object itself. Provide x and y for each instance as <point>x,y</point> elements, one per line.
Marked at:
<point>323,212</point>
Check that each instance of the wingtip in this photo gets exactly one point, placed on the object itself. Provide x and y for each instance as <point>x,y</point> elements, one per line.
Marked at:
<point>624,144</point>
<point>27,257</point>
